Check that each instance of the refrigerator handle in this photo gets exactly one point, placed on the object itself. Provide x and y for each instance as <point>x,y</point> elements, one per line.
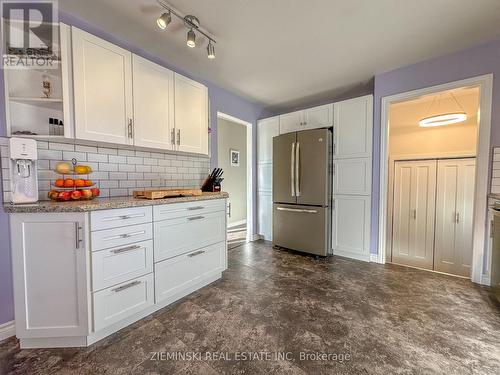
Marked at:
<point>297,169</point>
<point>292,170</point>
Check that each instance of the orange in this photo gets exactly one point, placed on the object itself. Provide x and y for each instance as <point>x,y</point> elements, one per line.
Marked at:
<point>79,183</point>
<point>59,182</point>
<point>88,183</point>
<point>69,182</point>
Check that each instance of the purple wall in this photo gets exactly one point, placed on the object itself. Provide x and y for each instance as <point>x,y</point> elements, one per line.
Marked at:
<point>220,100</point>
<point>475,61</point>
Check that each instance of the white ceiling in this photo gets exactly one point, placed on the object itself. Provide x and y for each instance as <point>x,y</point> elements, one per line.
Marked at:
<point>288,53</point>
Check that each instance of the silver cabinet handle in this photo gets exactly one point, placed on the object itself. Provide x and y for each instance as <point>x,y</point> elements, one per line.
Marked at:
<point>78,240</point>
<point>196,253</point>
<point>122,217</point>
<point>126,286</point>
<point>196,208</point>
<point>296,210</point>
<point>172,136</point>
<point>178,137</point>
<point>192,218</point>
<point>125,249</point>
<point>124,235</point>
<point>414,214</point>
<point>292,170</point>
<point>457,217</point>
<point>297,169</point>
<point>130,129</point>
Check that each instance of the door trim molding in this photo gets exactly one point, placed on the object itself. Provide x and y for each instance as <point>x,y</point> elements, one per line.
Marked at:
<point>485,83</point>
<point>250,165</point>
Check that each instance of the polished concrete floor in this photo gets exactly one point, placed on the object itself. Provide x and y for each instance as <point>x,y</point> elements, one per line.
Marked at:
<point>347,317</point>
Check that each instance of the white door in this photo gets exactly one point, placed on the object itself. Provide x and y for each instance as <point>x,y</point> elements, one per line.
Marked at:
<point>318,117</point>
<point>291,122</point>
<point>351,226</point>
<point>413,213</point>
<point>102,75</point>
<point>191,115</point>
<point>352,131</point>
<point>49,258</point>
<point>454,213</point>
<point>153,104</point>
<point>267,129</point>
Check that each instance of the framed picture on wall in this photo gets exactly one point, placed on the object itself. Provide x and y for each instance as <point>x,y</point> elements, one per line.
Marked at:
<point>235,158</point>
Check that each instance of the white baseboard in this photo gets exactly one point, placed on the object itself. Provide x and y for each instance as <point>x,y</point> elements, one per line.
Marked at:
<point>256,237</point>
<point>237,223</point>
<point>485,280</point>
<point>7,330</point>
<point>347,254</point>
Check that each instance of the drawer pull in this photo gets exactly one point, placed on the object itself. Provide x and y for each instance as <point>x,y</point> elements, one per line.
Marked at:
<point>125,249</point>
<point>122,217</point>
<point>124,235</point>
<point>192,218</point>
<point>199,252</point>
<point>196,208</point>
<point>126,286</point>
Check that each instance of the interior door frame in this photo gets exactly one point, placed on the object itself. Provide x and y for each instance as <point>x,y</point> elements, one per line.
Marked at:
<point>250,191</point>
<point>485,84</point>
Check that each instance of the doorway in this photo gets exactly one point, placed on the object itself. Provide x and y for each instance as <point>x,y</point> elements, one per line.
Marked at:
<point>431,160</point>
<point>234,155</point>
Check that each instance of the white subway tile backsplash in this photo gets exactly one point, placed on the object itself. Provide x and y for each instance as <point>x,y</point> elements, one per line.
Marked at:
<point>116,171</point>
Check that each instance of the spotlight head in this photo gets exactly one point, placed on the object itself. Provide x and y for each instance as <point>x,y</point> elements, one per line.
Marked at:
<point>163,21</point>
<point>191,39</point>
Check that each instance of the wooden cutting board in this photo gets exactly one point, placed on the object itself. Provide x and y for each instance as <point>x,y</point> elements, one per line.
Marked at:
<point>166,193</point>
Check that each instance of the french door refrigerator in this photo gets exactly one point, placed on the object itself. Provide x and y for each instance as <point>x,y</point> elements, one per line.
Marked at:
<point>302,186</point>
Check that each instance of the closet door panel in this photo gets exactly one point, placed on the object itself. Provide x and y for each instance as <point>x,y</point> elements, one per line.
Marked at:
<point>402,204</point>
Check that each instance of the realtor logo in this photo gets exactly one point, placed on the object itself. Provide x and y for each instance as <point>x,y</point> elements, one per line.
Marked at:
<point>30,34</point>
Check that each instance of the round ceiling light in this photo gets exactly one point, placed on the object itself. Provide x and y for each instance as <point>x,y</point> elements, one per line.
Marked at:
<point>444,119</point>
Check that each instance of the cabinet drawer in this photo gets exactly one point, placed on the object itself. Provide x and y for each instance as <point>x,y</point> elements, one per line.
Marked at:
<point>105,239</point>
<point>119,264</point>
<point>120,217</point>
<point>119,302</point>
<point>174,275</point>
<point>172,211</point>
<point>185,234</point>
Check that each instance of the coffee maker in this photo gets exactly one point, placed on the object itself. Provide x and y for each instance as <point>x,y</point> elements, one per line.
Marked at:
<point>23,171</point>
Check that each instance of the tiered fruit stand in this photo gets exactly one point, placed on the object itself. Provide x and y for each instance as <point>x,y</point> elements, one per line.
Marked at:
<point>74,183</point>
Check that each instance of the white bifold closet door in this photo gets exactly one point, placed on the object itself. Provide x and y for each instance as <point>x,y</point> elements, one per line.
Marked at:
<point>454,213</point>
<point>413,214</point>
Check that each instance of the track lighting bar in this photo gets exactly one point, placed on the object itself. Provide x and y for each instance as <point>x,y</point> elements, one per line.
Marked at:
<point>191,22</point>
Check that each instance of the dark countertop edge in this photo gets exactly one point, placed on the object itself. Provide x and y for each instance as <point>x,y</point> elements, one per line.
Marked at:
<point>103,204</point>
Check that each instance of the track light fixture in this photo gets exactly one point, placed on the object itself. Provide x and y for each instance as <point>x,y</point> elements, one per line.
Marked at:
<point>192,24</point>
<point>164,20</point>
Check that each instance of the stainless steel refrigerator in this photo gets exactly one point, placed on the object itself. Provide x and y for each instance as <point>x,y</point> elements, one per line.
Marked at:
<point>302,187</point>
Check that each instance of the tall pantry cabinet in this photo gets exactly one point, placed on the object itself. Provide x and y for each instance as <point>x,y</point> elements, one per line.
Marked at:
<point>432,214</point>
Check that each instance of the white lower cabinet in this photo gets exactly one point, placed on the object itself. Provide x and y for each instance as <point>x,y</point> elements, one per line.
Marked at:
<point>76,283</point>
<point>122,263</point>
<point>175,276</point>
<point>122,301</point>
<point>180,235</point>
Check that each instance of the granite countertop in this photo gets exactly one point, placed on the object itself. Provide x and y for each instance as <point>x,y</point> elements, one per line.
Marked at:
<point>103,203</point>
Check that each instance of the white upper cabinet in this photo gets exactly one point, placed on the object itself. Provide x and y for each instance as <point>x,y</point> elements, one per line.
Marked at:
<point>267,129</point>
<point>311,118</point>
<point>291,122</point>
<point>191,115</point>
<point>318,117</point>
<point>353,128</point>
<point>153,104</point>
<point>102,74</point>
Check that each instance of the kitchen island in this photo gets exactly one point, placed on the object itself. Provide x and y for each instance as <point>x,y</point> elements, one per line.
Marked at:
<point>86,269</point>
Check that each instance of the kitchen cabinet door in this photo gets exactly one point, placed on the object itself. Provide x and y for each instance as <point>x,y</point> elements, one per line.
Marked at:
<point>49,258</point>
<point>265,215</point>
<point>351,226</point>
<point>291,122</point>
<point>318,117</point>
<point>353,127</point>
<point>191,115</point>
<point>454,216</point>
<point>153,104</point>
<point>267,129</point>
<point>102,75</point>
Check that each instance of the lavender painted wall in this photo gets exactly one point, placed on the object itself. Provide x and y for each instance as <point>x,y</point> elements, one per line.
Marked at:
<point>220,100</point>
<point>475,61</point>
